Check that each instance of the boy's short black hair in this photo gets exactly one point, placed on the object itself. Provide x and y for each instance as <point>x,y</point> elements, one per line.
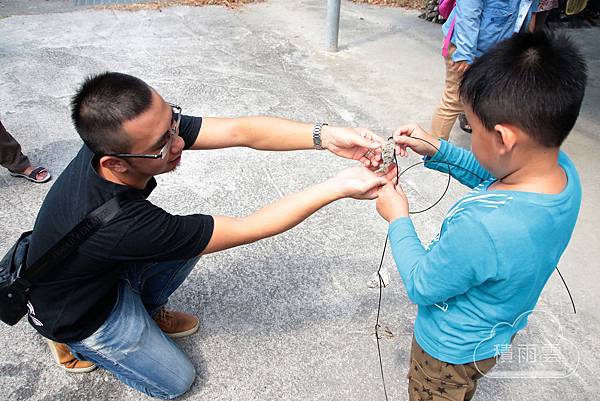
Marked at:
<point>535,81</point>
<point>102,104</point>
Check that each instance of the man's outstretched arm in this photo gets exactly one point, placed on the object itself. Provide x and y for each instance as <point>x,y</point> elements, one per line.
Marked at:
<point>278,134</point>
<point>289,211</point>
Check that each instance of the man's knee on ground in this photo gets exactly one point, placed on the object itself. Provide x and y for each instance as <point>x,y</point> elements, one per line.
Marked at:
<point>176,387</point>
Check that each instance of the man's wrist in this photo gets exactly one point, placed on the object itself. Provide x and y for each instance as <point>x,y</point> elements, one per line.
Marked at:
<point>317,135</point>
<point>334,189</point>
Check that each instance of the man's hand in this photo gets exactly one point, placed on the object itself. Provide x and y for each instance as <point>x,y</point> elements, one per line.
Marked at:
<point>392,202</point>
<point>353,143</point>
<point>358,183</point>
<point>460,66</point>
<point>414,137</point>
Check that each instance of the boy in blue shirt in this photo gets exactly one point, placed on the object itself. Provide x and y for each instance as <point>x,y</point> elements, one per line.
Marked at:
<point>477,282</point>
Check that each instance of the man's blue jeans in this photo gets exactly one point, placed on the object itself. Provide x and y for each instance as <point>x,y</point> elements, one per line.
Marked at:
<point>130,344</point>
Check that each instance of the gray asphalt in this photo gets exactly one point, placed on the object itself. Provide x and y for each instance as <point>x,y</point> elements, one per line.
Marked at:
<point>288,318</point>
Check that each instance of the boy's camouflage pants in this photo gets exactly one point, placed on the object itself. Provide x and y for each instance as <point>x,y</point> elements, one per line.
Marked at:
<point>430,379</point>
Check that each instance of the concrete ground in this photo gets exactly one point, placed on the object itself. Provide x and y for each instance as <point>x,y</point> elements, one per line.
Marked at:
<point>288,318</point>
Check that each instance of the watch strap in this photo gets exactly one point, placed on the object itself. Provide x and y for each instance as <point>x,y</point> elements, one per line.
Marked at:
<point>316,134</point>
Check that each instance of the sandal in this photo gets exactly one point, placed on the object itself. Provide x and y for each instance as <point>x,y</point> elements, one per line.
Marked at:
<point>33,176</point>
<point>464,124</point>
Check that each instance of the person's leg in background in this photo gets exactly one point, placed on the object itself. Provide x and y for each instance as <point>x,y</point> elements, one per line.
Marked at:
<point>13,159</point>
<point>445,116</point>
<point>11,156</point>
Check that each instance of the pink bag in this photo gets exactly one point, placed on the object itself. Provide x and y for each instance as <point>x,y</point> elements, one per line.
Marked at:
<point>446,44</point>
<point>445,7</point>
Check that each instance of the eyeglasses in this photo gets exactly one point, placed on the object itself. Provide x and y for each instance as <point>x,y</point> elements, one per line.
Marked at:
<point>173,132</point>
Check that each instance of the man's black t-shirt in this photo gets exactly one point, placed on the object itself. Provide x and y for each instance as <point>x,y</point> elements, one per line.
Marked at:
<point>73,300</point>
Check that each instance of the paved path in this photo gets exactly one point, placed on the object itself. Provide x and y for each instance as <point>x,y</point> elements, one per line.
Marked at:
<point>287,318</point>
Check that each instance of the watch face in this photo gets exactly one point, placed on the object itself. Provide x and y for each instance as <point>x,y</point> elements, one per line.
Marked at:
<point>317,136</point>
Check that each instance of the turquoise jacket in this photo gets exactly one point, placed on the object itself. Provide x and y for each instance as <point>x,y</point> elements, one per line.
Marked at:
<point>477,282</point>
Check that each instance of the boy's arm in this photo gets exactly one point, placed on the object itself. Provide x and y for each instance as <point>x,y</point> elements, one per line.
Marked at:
<point>287,212</point>
<point>469,172</point>
<point>278,134</point>
<point>463,258</point>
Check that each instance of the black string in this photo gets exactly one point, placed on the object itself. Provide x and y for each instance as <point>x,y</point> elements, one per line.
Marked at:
<point>381,282</point>
<point>567,287</point>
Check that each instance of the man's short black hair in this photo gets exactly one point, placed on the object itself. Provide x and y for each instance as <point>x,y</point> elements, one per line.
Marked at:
<point>102,104</point>
<point>535,81</point>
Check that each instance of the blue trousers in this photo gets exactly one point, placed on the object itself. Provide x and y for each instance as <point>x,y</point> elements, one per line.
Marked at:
<point>130,344</point>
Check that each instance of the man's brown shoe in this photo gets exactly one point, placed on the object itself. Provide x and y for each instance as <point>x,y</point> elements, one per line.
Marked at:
<point>67,361</point>
<point>176,324</point>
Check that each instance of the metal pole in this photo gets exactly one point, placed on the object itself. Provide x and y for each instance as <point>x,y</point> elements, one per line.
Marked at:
<point>333,24</point>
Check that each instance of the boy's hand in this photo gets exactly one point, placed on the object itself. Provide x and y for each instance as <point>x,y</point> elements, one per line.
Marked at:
<point>353,143</point>
<point>414,137</point>
<point>392,202</point>
<point>358,183</point>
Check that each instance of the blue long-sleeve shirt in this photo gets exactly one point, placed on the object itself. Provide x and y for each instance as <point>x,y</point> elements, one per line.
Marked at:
<point>477,282</point>
<point>482,23</point>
